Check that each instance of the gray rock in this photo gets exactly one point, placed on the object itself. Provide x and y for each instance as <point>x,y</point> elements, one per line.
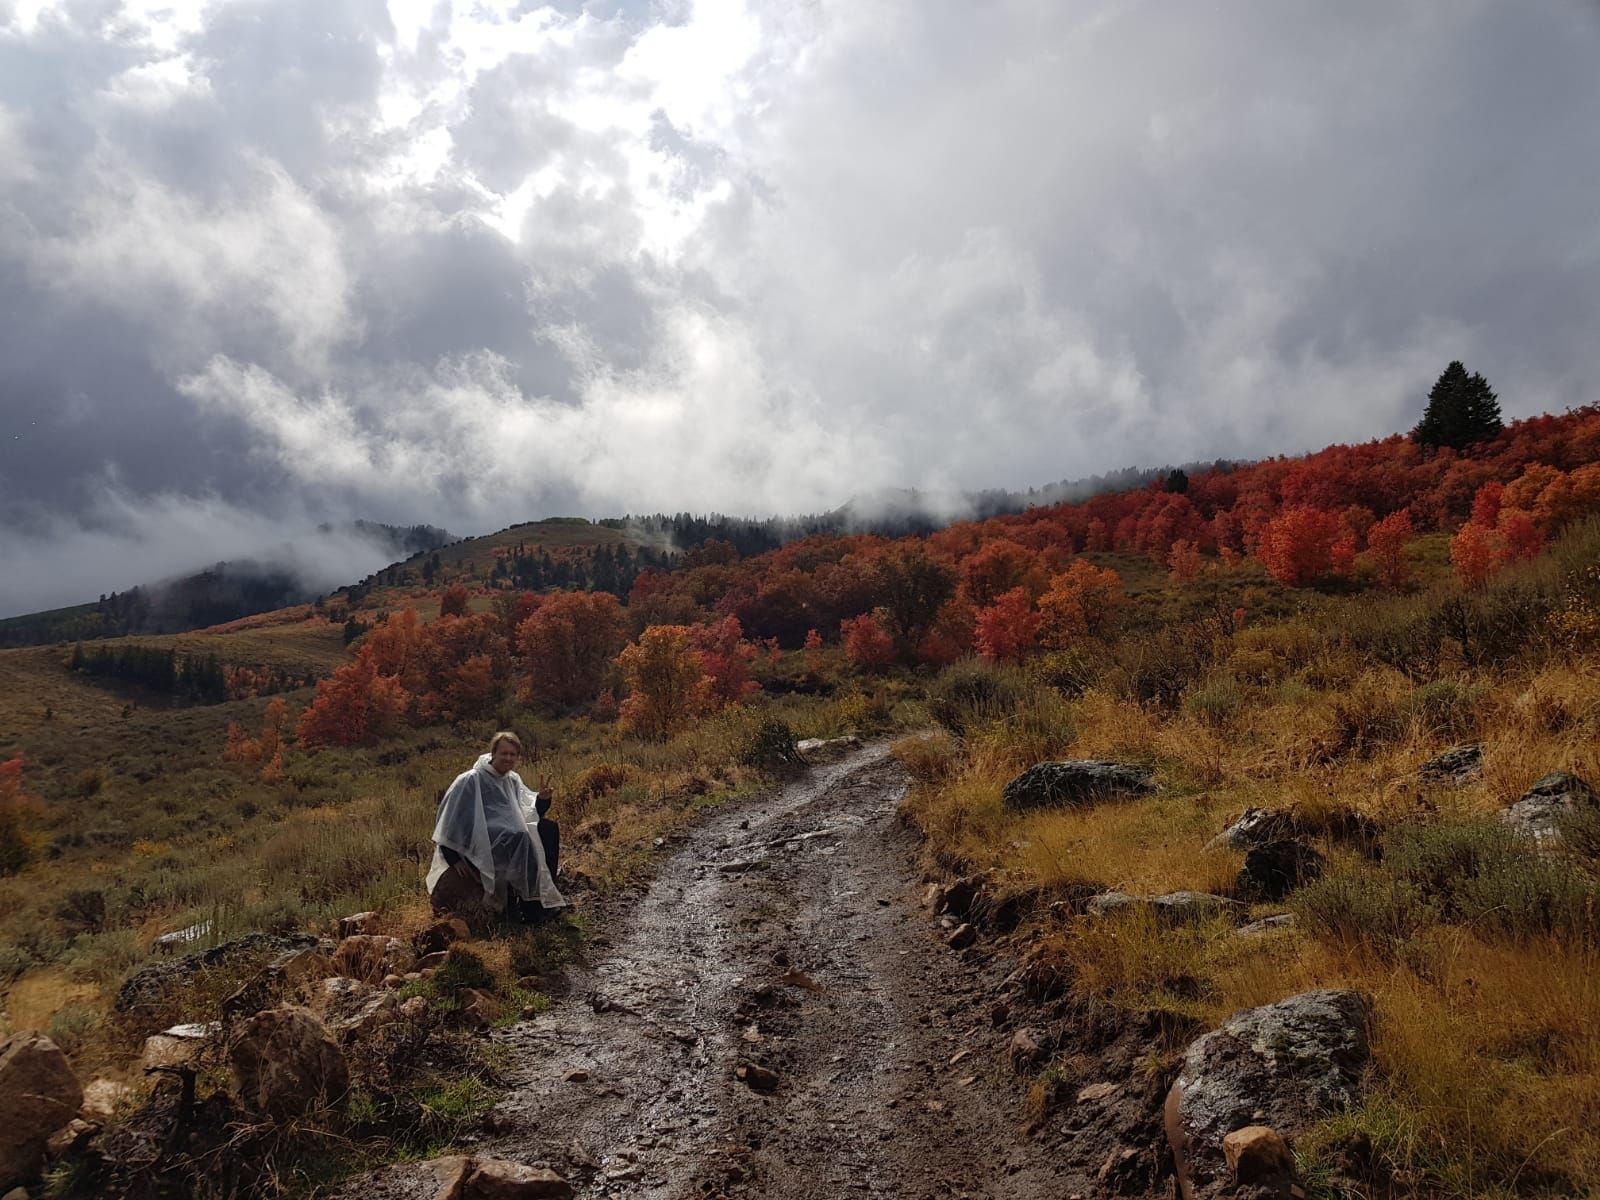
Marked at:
<point>1075,782</point>
<point>1267,925</point>
<point>1255,827</point>
<point>1284,1065</point>
<point>150,986</point>
<point>285,1063</point>
<point>1459,764</point>
<point>1539,811</point>
<point>1173,908</point>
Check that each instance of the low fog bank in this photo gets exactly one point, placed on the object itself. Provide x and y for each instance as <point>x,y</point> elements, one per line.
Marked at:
<point>154,544</point>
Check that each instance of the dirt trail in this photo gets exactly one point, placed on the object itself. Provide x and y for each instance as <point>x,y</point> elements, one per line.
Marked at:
<point>628,1086</point>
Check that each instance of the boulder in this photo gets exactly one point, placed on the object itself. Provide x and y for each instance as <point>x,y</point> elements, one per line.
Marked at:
<point>441,935</point>
<point>1457,765</point>
<point>1539,810</point>
<point>358,923</point>
<point>104,1098</point>
<point>818,748</point>
<point>1272,871</point>
<point>39,1095</point>
<point>375,1011</point>
<point>462,1178</point>
<point>151,986</point>
<point>1255,827</point>
<point>1284,1065</point>
<point>286,1063</point>
<point>1173,908</point>
<point>179,1045</point>
<point>369,957</point>
<point>1075,782</point>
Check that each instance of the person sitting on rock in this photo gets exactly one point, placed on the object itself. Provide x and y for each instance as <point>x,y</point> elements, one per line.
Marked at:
<point>495,851</point>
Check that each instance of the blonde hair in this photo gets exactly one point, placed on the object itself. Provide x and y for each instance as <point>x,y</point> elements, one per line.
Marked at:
<point>505,735</point>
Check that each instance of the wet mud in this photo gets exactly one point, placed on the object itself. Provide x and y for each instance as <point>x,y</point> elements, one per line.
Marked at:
<point>776,1017</point>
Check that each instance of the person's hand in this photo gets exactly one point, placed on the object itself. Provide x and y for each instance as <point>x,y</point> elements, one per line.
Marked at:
<point>466,870</point>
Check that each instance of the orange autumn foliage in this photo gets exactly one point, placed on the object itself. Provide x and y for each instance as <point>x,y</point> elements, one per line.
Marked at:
<point>1008,628</point>
<point>667,683</point>
<point>1082,601</point>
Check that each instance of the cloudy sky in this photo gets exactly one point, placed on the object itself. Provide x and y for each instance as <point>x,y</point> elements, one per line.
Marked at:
<point>273,262</point>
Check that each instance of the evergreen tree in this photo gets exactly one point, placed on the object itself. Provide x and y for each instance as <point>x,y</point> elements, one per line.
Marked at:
<point>1461,410</point>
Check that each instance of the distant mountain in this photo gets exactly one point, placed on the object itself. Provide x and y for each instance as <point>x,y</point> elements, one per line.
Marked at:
<point>287,575</point>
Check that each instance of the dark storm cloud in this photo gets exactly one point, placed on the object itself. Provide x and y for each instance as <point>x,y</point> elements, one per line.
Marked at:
<point>265,263</point>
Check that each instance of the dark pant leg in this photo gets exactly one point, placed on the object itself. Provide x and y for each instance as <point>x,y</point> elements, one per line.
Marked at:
<point>550,839</point>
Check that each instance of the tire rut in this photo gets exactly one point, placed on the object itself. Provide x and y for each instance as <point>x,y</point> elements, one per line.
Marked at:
<point>783,935</point>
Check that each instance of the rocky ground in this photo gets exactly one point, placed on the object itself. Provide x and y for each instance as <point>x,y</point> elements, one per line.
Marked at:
<point>780,1016</point>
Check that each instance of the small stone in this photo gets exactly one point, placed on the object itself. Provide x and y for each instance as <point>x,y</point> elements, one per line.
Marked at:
<point>177,1046</point>
<point>479,1007</point>
<point>415,1008</point>
<point>795,977</point>
<point>1457,765</point>
<point>394,981</point>
<point>1096,1092</point>
<point>960,1056</point>
<point>71,1135</point>
<point>756,1077</point>
<point>963,936</point>
<point>576,1075</point>
<point>1258,1154</point>
<point>1266,925</point>
<point>933,897</point>
<point>1025,1050</point>
<point>464,1178</point>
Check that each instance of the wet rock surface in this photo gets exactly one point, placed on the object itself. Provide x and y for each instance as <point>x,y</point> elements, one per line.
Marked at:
<point>1282,1065</point>
<point>1075,782</point>
<point>794,1031</point>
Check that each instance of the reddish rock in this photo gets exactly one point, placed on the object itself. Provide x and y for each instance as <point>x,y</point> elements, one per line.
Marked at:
<point>39,1095</point>
<point>463,1178</point>
<point>1025,1050</point>
<point>441,935</point>
<point>479,1007</point>
<point>1257,1154</point>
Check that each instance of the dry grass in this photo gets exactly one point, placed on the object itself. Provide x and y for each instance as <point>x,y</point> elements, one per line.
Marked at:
<point>1479,954</point>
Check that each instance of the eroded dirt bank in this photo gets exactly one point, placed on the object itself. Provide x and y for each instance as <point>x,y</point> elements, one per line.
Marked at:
<point>784,936</point>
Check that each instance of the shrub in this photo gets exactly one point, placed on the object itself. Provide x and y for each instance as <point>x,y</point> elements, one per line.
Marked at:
<point>1485,874</point>
<point>461,968</point>
<point>1444,707</point>
<point>770,745</point>
<point>1361,905</point>
<point>974,692</point>
<point>927,759</point>
<point>1069,671</point>
<point>72,1026</point>
<point>1215,703</point>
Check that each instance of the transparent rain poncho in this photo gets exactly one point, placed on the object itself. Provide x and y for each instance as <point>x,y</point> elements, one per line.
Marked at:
<point>489,819</point>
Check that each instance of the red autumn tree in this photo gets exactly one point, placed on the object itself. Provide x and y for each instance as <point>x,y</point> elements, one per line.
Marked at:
<point>1007,629</point>
<point>1520,536</point>
<point>1486,504</point>
<point>667,685</point>
<point>726,657</point>
<point>1386,544</point>
<point>996,568</point>
<point>867,644</point>
<point>568,644</point>
<point>1302,545</point>
<point>1475,553</point>
<point>19,809</point>
<point>1183,560</point>
<point>353,706</point>
<point>453,601</point>
<point>950,635</point>
<point>813,651</point>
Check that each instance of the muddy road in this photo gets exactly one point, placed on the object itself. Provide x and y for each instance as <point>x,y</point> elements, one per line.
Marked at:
<point>777,1017</point>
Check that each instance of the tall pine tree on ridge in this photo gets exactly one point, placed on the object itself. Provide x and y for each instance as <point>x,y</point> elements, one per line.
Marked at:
<point>1462,409</point>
